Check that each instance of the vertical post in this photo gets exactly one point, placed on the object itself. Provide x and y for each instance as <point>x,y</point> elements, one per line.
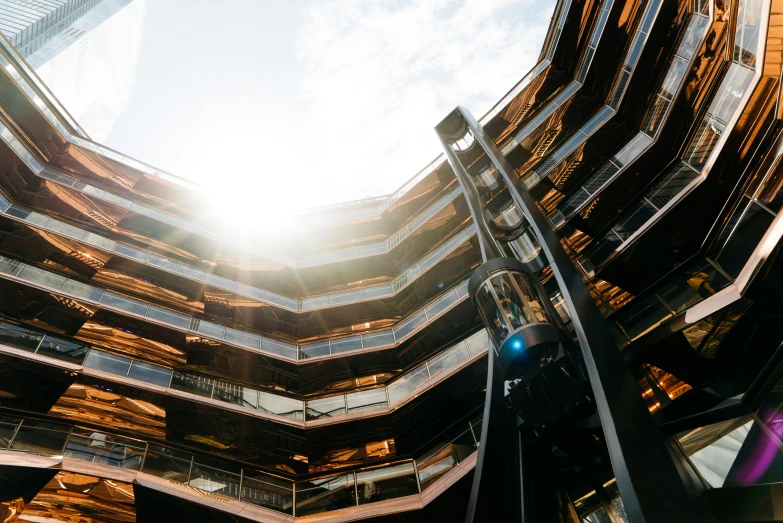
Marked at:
<point>40,342</point>
<point>416,472</point>
<point>355,488</point>
<point>67,438</point>
<point>13,436</point>
<point>144,456</point>
<point>241,479</point>
<point>473,433</point>
<point>190,470</point>
<point>293,499</point>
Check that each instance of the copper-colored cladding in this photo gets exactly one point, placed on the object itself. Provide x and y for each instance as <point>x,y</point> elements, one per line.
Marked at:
<point>10,510</point>
<point>78,498</point>
<point>668,382</point>
<point>82,403</point>
<point>131,345</point>
<point>355,456</point>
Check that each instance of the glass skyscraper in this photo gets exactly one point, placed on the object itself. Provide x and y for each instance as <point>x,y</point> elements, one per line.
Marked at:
<point>571,315</point>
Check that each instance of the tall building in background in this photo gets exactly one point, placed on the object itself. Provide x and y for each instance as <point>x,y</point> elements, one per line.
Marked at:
<point>571,315</point>
<point>85,51</point>
<point>29,24</point>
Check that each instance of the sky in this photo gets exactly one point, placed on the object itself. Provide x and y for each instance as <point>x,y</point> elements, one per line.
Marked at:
<point>281,105</point>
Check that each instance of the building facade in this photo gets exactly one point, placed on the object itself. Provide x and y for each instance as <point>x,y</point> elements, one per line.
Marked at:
<point>29,24</point>
<point>152,367</point>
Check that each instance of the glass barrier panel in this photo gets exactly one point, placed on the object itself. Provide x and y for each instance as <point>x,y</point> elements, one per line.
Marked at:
<point>645,316</point>
<point>345,297</point>
<point>105,449</point>
<point>367,399</point>
<point>191,272</point>
<point>63,350</point>
<point>163,263</point>
<point>243,339</point>
<point>478,342</point>
<point>194,384</point>
<point>9,266</point>
<point>167,463</point>
<point>325,494</point>
<point>346,344</point>
<point>280,348</point>
<point>281,406</point>
<point>150,373</point>
<point>376,292</point>
<point>40,437</point>
<point>115,301</point>
<point>130,252</point>
<point>444,457</point>
<point>215,477</point>
<point>409,325</point>
<point>267,491</point>
<point>213,330</point>
<point>43,278</point>
<point>326,407</point>
<point>377,339</point>
<point>19,337</point>
<point>315,303</point>
<point>407,384</point>
<point>386,483</point>
<point>106,362</point>
<point>441,304</point>
<point>81,290</point>
<point>100,242</point>
<point>313,350</point>
<point>220,281</point>
<point>283,301</point>
<point>733,453</point>
<point>448,359</point>
<point>168,317</point>
<point>236,394</point>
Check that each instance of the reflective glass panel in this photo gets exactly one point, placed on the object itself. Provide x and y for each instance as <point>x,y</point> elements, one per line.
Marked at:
<point>386,483</point>
<point>19,337</point>
<point>63,350</point>
<point>326,407</point>
<point>448,359</point>
<point>325,494</point>
<point>407,384</point>
<point>106,362</point>
<point>366,400</point>
<point>150,373</point>
<point>105,449</point>
<point>267,491</point>
<point>166,463</point>
<point>280,405</point>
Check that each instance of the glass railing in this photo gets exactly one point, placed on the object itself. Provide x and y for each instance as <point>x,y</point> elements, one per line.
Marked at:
<point>554,165</point>
<point>229,479</point>
<point>712,132</point>
<point>657,114</point>
<point>701,280</point>
<point>42,221</point>
<point>25,82</point>
<point>551,46</point>
<point>305,261</point>
<point>383,398</point>
<point>569,90</point>
<point>15,270</point>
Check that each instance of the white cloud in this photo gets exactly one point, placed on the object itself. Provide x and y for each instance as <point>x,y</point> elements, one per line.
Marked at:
<point>381,74</point>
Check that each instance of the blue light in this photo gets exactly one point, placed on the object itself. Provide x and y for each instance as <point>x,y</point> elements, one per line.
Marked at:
<point>516,344</point>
